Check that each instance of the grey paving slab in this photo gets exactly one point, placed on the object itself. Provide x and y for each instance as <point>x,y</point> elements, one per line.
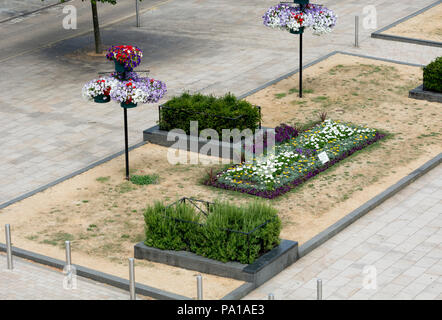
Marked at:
<point>407,264</point>
<point>29,281</point>
<point>14,8</point>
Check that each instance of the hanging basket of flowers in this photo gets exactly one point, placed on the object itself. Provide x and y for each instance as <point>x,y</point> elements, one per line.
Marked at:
<point>130,93</point>
<point>126,58</point>
<point>156,89</point>
<point>98,90</point>
<point>296,18</point>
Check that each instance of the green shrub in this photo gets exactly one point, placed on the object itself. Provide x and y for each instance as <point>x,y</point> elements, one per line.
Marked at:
<point>210,112</point>
<point>162,229</point>
<point>182,227</point>
<point>433,76</point>
<point>144,179</point>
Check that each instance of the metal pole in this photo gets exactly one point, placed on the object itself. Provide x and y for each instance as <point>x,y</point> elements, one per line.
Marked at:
<point>199,287</point>
<point>126,141</point>
<point>271,296</point>
<point>132,279</point>
<point>319,289</point>
<point>9,247</point>
<point>68,254</point>
<point>300,65</point>
<point>357,31</point>
<point>138,14</point>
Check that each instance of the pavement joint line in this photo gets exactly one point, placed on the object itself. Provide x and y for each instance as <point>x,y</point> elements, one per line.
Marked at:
<point>378,33</point>
<point>154,7</point>
<point>34,11</point>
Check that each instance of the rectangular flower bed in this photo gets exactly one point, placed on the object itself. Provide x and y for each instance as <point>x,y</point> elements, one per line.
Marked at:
<point>296,160</point>
<point>210,112</point>
<point>218,231</point>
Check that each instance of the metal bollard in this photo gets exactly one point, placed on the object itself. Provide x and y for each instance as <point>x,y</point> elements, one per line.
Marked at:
<point>199,287</point>
<point>271,296</point>
<point>357,31</point>
<point>68,253</point>
<point>138,13</point>
<point>132,279</point>
<point>9,246</point>
<point>319,289</point>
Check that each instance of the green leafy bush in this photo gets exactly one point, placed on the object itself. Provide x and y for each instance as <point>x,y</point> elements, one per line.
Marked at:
<point>433,76</point>
<point>182,227</point>
<point>216,113</point>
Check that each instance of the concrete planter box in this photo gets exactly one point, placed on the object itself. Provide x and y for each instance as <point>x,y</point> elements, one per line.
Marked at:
<point>258,272</point>
<point>225,149</point>
<point>421,94</point>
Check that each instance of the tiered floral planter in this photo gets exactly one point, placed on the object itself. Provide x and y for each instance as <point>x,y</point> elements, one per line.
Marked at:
<point>124,86</point>
<point>296,19</point>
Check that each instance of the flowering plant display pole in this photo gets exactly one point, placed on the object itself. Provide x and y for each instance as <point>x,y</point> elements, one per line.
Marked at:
<point>125,86</point>
<point>296,18</point>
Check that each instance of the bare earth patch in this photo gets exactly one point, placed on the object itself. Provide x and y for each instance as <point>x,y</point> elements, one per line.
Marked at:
<point>426,26</point>
<point>102,214</point>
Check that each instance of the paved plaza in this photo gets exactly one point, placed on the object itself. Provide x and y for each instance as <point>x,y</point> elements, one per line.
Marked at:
<point>30,281</point>
<point>47,131</point>
<point>400,242</point>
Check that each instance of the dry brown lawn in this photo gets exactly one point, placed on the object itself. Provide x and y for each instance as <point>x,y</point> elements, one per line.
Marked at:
<point>426,26</point>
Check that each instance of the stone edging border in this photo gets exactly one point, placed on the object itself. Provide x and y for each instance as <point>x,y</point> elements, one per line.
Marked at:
<point>34,11</point>
<point>334,229</point>
<point>95,275</point>
<point>73,174</point>
<point>337,227</point>
<point>378,33</point>
<point>289,74</point>
<point>263,268</point>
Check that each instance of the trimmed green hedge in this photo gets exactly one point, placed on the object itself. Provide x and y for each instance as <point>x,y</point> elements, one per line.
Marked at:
<point>433,75</point>
<point>210,112</point>
<point>182,227</point>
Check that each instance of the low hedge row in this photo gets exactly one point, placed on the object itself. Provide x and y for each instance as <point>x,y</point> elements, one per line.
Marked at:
<point>182,227</point>
<point>433,76</point>
<point>211,113</point>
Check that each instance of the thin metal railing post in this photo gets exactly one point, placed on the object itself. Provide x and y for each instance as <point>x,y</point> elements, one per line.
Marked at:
<point>137,12</point>
<point>357,31</point>
<point>132,279</point>
<point>199,287</point>
<point>271,296</point>
<point>9,247</point>
<point>319,289</point>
